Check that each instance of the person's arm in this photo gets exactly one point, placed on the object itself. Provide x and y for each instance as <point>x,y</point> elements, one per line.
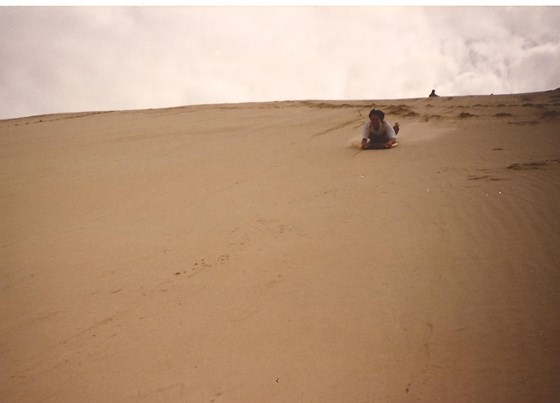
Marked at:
<point>391,134</point>
<point>365,135</point>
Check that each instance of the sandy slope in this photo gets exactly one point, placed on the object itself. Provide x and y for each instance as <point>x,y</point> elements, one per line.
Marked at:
<point>250,253</point>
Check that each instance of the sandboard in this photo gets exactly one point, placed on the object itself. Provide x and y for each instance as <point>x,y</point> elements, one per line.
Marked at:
<point>381,146</point>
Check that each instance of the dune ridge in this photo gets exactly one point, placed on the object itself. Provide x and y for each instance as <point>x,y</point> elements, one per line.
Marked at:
<point>252,253</point>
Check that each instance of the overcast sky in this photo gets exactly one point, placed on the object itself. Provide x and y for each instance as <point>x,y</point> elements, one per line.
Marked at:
<point>73,59</point>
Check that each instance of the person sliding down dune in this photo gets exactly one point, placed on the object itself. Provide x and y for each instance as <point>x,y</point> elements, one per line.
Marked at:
<point>378,133</point>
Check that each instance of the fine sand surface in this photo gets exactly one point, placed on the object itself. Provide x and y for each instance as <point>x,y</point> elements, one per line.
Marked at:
<point>251,253</point>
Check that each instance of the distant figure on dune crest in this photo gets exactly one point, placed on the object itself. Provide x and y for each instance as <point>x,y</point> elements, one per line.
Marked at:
<point>378,133</point>
<point>433,94</point>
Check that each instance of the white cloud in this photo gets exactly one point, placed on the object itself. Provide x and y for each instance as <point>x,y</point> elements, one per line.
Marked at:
<point>58,59</point>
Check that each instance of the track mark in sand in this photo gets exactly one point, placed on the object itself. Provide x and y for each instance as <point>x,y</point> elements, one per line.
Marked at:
<point>487,177</point>
<point>340,126</point>
<point>533,165</point>
<point>487,174</point>
<point>218,395</point>
<point>91,328</point>
<point>524,123</point>
<point>261,230</point>
<point>428,338</point>
<point>477,177</point>
<point>253,304</point>
<point>165,393</point>
<point>427,332</point>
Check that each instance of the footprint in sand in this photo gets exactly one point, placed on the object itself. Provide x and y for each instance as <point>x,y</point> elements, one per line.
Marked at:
<point>201,265</point>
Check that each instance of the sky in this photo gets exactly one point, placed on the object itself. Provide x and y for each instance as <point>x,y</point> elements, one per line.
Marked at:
<point>60,59</point>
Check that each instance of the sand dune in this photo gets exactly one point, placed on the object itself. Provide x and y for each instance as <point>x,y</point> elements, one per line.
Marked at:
<point>252,253</point>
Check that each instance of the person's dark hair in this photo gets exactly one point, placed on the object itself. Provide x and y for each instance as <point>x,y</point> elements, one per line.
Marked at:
<point>378,113</point>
